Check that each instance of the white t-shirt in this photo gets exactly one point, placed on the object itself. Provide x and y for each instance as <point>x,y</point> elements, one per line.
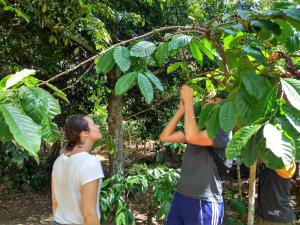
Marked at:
<point>69,175</point>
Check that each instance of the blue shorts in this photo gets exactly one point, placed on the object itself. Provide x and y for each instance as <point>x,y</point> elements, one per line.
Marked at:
<point>190,211</point>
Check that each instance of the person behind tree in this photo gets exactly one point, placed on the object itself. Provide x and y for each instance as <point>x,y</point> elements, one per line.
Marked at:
<point>198,198</point>
<point>273,196</point>
<point>77,175</point>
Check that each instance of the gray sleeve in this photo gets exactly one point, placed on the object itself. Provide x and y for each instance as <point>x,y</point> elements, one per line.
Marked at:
<point>221,139</point>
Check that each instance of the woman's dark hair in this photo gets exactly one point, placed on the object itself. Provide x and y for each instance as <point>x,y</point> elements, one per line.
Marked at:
<point>73,127</point>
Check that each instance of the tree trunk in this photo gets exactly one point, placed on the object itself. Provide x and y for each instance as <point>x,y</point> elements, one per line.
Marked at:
<point>251,203</point>
<point>239,180</point>
<point>114,121</point>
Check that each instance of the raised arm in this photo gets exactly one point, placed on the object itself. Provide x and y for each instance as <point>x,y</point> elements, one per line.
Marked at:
<point>169,133</point>
<point>192,133</point>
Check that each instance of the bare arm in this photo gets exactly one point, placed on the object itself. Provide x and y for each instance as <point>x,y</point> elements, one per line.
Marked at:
<point>89,202</point>
<point>54,203</point>
<point>169,133</point>
<point>193,135</point>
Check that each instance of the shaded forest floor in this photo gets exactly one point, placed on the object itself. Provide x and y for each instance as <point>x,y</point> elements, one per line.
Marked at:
<point>35,208</point>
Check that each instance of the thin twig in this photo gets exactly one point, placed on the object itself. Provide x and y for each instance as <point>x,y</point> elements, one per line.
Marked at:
<point>79,78</point>
<point>150,108</point>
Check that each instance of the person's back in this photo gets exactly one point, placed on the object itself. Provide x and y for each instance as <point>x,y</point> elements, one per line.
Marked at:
<point>273,199</point>
<point>69,175</point>
<point>77,175</point>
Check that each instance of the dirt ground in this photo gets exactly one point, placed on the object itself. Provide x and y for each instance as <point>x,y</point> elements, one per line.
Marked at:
<point>35,209</point>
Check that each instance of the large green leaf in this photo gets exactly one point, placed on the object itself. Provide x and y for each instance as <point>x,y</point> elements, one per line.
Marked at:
<point>254,84</point>
<point>105,62</point>
<point>227,116</point>
<point>179,41</point>
<point>142,49</point>
<point>173,67</point>
<point>154,80</point>
<point>162,53</point>
<point>58,93</point>
<point>286,30</point>
<point>145,87</point>
<point>269,159</point>
<point>291,88</point>
<point>205,47</point>
<point>239,141</point>
<point>25,131</point>
<point>244,107</point>
<point>5,134</point>
<point>50,131</point>
<point>292,43</point>
<point>250,151</point>
<point>38,103</point>
<point>195,49</point>
<point>280,144</point>
<point>292,115</point>
<point>122,58</point>
<point>267,102</point>
<point>256,54</point>
<point>205,113</point>
<point>267,24</point>
<point>292,132</point>
<point>212,124</point>
<point>126,82</point>
<point>18,77</point>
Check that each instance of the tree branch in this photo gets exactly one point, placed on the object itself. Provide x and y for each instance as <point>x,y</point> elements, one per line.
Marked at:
<point>120,43</point>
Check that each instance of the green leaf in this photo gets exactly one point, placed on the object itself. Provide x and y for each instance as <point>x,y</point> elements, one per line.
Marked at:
<point>105,62</point>
<point>227,116</point>
<point>38,103</point>
<point>178,41</point>
<point>292,43</point>
<point>292,115</point>
<point>254,84</point>
<point>244,14</point>
<point>145,87</point>
<point>205,47</point>
<point>286,30</point>
<point>267,24</point>
<point>244,107</point>
<point>239,141</point>
<point>212,124</point>
<point>58,92</point>
<point>250,151</point>
<point>269,159</point>
<point>122,58</point>
<point>267,102</point>
<point>239,206</point>
<point>205,113</point>
<point>195,49</point>
<point>25,131</point>
<point>291,88</point>
<point>5,134</point>
<point>50,131</point>
<point>173,67</point>
<point>125,82</point>
<point>154,80</point>
<point>162,53</point>
<point>280,145</point>
<point>256,54</point>
<point>142,49</point>
<point>18,77</point>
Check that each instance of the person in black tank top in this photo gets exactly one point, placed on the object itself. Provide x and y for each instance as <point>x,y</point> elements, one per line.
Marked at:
<point>273,198</point>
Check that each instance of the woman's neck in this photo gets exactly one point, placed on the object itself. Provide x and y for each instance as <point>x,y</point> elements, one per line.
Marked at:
<point>85,147</point>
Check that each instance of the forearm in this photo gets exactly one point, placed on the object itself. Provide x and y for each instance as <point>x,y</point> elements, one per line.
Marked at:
<point>171,126</point>
<point>91,220</point>
<point>190,124</point>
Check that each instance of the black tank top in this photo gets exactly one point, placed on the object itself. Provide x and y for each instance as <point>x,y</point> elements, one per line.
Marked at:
<point>273,197</point>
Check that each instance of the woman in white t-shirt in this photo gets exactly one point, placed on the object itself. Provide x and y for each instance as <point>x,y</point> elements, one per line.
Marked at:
<point>77,175</point>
